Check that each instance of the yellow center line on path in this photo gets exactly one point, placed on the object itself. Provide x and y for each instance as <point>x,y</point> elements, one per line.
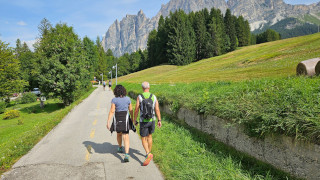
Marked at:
<point>94,122</point>
<point>98,106</point>
<point>89,148</point>
<point>88,156</point>
<point>92,133</point>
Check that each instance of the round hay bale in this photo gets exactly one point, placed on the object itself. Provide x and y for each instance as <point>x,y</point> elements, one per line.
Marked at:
<point>307,67</point>
<point>317,69</point>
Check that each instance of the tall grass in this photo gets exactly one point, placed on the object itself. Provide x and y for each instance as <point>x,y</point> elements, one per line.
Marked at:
<point>16,140</point>
<point>288,106</point>
<point>185,153</point>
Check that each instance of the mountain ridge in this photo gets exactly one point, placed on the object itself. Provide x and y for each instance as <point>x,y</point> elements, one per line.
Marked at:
<point>131,33</point>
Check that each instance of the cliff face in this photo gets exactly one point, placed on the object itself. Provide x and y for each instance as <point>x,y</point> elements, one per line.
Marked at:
<point>131,33</point>
<point>128,35</point>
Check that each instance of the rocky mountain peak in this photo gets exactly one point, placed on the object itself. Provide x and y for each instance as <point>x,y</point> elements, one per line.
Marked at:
<point>131,33</point>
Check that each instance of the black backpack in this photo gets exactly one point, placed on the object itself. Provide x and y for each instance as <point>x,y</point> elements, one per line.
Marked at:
<point>147,107</point>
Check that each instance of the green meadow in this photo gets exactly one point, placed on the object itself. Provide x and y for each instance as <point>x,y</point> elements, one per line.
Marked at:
<point>254,86</point>
<point>274,59</point>
<point>17,139</point>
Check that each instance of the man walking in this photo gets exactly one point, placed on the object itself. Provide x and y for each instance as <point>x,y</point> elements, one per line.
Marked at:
<point>149,107</point>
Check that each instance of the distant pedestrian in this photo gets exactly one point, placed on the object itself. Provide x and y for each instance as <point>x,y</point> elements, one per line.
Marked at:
<point>110,84</point>
<point>120,108</point>
<point>104,85</point>
<point>149,107</point>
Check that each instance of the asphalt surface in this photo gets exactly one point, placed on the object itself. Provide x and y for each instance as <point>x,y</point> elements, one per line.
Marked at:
<point>65,152</point>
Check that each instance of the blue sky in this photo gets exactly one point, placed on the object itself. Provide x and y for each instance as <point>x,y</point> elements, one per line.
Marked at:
<point>20,18</point>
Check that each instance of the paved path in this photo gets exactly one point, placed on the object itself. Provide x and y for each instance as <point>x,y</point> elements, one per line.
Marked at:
<point>63,154</point>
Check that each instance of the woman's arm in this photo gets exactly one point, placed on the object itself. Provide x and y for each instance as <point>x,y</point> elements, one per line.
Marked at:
<point>111,112</point>
<point>131,111</point>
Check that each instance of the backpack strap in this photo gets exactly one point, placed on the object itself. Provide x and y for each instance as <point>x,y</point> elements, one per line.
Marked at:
<point>142,96</point>
<point>150,96</point>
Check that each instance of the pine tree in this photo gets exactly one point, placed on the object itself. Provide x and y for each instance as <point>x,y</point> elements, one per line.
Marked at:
<point>181,43</point>
<point>242,29</point>
<point>230,32</point>
<point>216,31</point>
<point>201,36</point>
<point>162,40</point>
<point>102,61</point>
<point>152,46</point>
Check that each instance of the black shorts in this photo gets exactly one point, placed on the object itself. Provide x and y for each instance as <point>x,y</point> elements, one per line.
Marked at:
<point>109,85</point>
<point>147,128</point>
<point>104,85</point>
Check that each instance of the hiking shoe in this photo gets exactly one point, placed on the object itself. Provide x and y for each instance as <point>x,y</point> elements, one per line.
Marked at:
<point>149,157</point>
<point>126,158</point>
<point>120,149</point>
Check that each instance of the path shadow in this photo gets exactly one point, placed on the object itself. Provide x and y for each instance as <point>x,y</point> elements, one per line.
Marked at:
<point>108,148</point>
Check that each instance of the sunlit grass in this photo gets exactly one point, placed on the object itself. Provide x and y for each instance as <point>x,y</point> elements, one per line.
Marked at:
<point>273,59</point>
<point>268,106</point>
<point>185,153</point>
<point>16,140</point>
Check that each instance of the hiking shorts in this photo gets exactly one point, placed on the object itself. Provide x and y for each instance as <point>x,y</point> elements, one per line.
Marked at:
<point>147,128</point>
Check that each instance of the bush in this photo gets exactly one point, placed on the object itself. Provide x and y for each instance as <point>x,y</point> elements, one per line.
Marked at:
<point>11,114</point>
<point>28,98</point>
<point>20,121</point>
<point>2,106</point>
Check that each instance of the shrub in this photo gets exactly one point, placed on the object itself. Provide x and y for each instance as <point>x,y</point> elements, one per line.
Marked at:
<point>11,114</point>
<point>20,121</point>
<point>2,106</point>
<point>29,98</point>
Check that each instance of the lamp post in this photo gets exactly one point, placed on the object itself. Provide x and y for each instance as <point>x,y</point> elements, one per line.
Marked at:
<point>111,75</point>
<point>102,76</point>
<point>116,66</point>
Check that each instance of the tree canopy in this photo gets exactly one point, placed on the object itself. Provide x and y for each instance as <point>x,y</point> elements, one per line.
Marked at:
<point>10,81</point>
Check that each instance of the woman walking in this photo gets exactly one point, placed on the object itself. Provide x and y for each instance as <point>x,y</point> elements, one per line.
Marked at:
<point>110,84</point>
<point>120,108</point>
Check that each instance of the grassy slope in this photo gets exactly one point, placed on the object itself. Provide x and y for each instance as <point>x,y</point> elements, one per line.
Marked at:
<point>270,104</point>
<point>273,59</point>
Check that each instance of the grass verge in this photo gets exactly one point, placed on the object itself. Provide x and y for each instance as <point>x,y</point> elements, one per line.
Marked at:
<point>16,140</point>
<point>182,152</point>
<point>287,106</point>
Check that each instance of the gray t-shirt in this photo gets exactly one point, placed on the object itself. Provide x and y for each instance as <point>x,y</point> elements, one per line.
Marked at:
<point>122,104</point>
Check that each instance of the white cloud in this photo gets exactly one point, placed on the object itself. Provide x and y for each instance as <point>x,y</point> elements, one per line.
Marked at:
<point>21,23</point>
<point>30,44</point>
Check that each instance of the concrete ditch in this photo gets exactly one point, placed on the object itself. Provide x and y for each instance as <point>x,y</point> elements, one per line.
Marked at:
<point>296,157</point>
